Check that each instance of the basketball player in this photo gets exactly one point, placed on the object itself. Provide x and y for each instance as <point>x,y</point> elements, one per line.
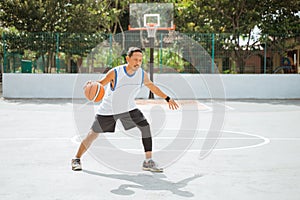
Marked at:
<point>119,104</point>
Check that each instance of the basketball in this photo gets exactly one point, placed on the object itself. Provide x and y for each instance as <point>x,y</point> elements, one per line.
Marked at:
<point>94,91</point>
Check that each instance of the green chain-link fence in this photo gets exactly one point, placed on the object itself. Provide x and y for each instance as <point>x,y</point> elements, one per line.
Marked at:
<point>173,52</point>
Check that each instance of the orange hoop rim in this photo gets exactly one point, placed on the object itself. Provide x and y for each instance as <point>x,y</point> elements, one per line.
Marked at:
<point>151,25</point>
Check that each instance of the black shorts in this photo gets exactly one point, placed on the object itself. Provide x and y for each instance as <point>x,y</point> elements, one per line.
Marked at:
<point>107,123</point>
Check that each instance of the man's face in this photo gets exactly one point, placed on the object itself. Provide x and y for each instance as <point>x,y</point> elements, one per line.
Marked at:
<point>135,61</point>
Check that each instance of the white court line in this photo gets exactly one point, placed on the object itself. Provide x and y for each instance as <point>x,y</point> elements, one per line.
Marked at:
<point>183,138</point>
<point>287,139</point>
<point>209,108</point>
<point>265,141</point>
<point>224,104</point>
<point>80,106</point>
<point>34,139</point>
<point>75,138</point>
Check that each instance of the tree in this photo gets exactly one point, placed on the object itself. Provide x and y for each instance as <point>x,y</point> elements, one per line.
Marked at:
<point>47,18</point>
<point>281,25</point>
<point>280,17</point>
<point>236,18</point>
<point>235,21</point>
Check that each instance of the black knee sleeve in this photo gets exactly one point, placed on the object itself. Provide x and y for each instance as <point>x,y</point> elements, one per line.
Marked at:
<point>147,143</point>
<point>146,135</point>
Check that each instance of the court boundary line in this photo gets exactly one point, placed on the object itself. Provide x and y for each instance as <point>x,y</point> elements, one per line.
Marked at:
<point>163,138</point>
<point>265,141</point>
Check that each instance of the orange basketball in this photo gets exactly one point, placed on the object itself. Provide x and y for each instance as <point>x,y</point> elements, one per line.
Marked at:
<point>94,91</point>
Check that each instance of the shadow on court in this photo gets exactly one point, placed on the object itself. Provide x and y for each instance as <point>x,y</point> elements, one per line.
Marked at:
<point>155,182</point>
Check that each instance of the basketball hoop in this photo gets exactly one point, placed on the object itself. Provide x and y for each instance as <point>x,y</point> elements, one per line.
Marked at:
<point>151,29</point>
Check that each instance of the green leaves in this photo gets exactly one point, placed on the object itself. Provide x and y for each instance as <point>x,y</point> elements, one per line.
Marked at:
<point>53,15</point>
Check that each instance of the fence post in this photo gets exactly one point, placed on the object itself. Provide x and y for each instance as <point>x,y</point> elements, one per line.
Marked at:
<point>265,58</point>
<point>57,52</point>
<point>110,51</point>
<point>4,53</point>
<point>213,53</point>
<point>161,52</point>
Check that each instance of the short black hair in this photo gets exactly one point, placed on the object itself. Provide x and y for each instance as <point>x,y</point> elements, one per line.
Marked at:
<point>131,50</point>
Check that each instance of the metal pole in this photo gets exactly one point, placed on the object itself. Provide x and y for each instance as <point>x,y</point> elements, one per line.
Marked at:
<point>151,40</point>
<point>110,51</point>
<point>265,58</point>
<point>161,52</point>
<point>57,52</point>
<point>4,53</point>
<point>213,54</point>
<point>14,62</point>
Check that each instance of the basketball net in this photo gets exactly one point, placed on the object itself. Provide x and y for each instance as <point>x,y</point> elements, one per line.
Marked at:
<point>151,29</point>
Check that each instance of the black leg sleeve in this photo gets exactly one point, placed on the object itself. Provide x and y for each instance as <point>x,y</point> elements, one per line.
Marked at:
<point>146,135</point>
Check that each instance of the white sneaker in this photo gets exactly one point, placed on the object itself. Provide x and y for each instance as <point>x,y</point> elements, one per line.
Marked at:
<point>76,164</point>
<point>151,166</point>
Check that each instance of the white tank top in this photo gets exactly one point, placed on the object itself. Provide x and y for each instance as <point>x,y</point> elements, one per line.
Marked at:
<point>121,98</point>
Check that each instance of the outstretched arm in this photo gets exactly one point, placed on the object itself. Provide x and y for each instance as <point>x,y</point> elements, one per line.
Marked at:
<point>157,91</point>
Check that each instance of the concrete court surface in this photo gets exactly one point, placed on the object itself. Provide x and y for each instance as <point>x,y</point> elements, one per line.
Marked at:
<point>256,157</point>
